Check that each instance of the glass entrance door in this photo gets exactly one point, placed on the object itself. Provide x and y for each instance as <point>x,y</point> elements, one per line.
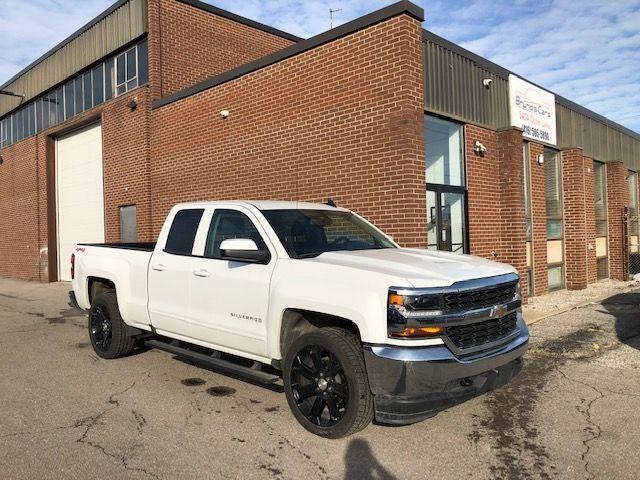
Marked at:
<point>446,229</point>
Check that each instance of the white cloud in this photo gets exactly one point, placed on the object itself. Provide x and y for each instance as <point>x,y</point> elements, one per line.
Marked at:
<point>587,51</point>
<point>30,28</point>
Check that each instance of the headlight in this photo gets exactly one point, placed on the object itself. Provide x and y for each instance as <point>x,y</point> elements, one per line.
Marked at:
<point>404,312</point>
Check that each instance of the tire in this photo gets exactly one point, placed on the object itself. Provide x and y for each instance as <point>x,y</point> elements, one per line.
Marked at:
<point>107,332</point>
<point>329,399</point>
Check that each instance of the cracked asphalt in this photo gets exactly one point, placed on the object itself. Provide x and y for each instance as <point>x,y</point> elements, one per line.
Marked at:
<point>574,411</point>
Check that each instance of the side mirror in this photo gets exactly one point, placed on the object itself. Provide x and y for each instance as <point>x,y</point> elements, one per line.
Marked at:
<point>243,250</point>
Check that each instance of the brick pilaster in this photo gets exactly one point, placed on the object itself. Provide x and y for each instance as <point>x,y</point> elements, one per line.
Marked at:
<point>579,216</point>
<point>617,200</point>
<point>513,234</point>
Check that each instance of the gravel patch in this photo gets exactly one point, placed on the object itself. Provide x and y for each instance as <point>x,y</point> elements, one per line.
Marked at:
<point>563,300</point>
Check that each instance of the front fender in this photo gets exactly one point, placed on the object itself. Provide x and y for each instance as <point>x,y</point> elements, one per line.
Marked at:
<point>332,290</point>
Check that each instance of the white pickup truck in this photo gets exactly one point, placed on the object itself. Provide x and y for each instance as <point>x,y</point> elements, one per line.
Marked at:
<point>357,327</point>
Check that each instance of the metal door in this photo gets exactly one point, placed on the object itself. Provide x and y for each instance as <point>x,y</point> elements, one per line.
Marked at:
<point>447,218</point>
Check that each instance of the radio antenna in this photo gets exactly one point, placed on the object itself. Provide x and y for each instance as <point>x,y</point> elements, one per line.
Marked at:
<point>331,12</point>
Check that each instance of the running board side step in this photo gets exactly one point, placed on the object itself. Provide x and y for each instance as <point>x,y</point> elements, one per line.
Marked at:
<point>223,366</point>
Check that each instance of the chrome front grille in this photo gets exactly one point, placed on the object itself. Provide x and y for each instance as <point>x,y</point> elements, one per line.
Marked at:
<point>480,298</point>
<point>477,334</point>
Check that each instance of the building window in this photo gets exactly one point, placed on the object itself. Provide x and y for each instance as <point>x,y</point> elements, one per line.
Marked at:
<point>5,128</point>
<point>78,94</point>
<point>555,230</point>
<point>445,182</point>
<point>634,233</point>
<point>69,109</point>
<point>87,85</point>
<point>445,165</point>
<point>600,192</point>
<point>526,156</point>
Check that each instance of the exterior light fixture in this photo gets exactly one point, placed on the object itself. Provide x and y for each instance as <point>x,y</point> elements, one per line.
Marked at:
<point>224,114</point>
<point>487,82</point>
<point>133,103</point>
<point>1,160</point>
<point>479,148</point>
<point>541,159</point>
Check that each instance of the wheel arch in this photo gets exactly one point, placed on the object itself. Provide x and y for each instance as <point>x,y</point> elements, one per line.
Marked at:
<point>99,285</point>
<point>296,322</point>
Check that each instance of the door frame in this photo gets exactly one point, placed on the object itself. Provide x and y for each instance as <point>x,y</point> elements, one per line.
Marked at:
<point>439,189</point>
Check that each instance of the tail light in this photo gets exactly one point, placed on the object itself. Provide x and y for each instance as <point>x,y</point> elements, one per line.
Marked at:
<point>73,265</point>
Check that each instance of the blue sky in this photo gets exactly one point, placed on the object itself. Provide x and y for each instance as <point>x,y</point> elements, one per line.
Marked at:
<point>587,50</point>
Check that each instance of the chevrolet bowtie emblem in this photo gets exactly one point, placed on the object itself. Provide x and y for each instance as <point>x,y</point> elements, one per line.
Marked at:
<point>498,311</point>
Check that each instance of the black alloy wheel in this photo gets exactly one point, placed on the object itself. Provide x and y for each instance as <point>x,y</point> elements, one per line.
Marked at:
<point>109,335</point>
<point>326,384</point>
<point>319,386</point>
<point>100,329</point>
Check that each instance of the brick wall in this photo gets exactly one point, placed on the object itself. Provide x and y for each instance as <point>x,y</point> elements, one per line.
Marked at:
<point>579,216</point>
<point>188,45</point>
<point>343,120</point>
<point>513,249</point>
<point>484,187</point>
<point>495,182</point>
<point>28,247</point>
<point>125,138</point>
<point>617,200</point>
<point>21,177</point>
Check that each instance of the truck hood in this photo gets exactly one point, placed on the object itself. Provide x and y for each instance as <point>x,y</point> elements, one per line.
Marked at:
<point>421,268</point>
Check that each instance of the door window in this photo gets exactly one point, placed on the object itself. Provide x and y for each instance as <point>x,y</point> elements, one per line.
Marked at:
<point>446,220</point>
<point>183,231</point>
<point>230,224</point>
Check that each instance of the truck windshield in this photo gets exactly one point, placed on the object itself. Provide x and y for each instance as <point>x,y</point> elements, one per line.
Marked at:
<point>309,233</point>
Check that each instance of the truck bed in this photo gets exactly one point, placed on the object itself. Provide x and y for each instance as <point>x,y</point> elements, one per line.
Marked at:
<point>140,246</point>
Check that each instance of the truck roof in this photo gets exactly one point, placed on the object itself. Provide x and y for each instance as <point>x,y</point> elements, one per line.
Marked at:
<point>264,205</point>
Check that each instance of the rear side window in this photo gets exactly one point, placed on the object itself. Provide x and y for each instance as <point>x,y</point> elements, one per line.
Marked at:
<point>183,232</point>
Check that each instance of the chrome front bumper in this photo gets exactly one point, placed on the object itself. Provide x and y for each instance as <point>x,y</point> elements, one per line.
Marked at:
<point>413,383</point>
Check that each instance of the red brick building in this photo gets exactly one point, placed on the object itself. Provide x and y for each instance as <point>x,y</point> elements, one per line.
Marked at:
<point>437,146</point>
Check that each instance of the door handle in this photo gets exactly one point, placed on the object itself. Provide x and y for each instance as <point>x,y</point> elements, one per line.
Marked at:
<point>201,273</point>
<point>158,267</point>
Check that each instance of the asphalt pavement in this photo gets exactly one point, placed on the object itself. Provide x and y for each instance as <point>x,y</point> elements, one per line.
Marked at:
<point>573,412</point>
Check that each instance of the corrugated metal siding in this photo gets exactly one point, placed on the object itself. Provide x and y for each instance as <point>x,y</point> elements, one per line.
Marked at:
<point>598,140</point>
<point>121,26</point>
<point>454,87</point>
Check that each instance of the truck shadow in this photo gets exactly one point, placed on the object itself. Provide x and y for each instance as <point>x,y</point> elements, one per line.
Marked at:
<point>625,308</point>
<point>360,463</point>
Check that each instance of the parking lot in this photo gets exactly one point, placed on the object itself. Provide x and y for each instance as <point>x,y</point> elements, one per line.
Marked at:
<point>574,412</point>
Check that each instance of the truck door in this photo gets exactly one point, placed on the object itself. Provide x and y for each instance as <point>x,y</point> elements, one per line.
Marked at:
<point>170,271</point>
<point>229,300</point>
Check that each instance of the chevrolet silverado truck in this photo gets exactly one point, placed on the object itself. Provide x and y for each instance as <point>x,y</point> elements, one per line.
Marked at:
<point>357,327</point>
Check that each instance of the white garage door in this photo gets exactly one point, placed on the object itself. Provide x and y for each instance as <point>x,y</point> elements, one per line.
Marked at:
<point>80,193</point>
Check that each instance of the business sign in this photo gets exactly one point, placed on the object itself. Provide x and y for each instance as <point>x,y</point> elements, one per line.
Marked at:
<point>533,110</point>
